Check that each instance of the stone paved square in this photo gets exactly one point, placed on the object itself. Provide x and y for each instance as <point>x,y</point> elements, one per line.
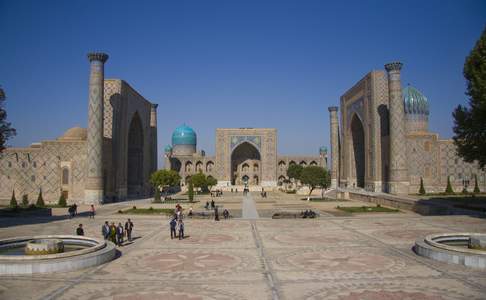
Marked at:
<point>355,257</point>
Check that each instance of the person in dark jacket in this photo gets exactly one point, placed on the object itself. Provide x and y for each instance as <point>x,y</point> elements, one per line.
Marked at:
<point>79,230</point>
<point>119,234</point>
<point>105,230</point>
<point>173,225</point>
<point>128,229</point>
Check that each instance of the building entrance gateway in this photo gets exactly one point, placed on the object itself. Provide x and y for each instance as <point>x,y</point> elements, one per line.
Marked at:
<point>244,157</point>
<point>245,162</point>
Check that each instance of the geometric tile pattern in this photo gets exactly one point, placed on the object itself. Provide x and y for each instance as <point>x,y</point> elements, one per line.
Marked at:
<point>345,258</point>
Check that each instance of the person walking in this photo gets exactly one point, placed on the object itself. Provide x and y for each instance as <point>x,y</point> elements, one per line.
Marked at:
<point>91,211</point>
<point>79,230</point>
<point>75,207</point>
<point>181,229</point>
<point>128,229</point>
<point>190,212</point>
<point>212,203</point>
<point>119,234</point>
<point>216,214</point>
<point>173,225</point>
<point>105,230</point>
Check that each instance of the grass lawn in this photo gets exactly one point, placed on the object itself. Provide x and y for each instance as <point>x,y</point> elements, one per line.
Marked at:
<point>175,201</point>
<point>148,211</point>
<point>323,199</point>
<point>366,209</point>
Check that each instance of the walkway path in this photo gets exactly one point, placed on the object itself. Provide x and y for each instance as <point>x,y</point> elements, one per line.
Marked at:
<point>249,210</point>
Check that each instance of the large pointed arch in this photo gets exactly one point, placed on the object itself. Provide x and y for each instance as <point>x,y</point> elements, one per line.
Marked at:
<point>244,154</point>
<point>135,157</point>
<point>358,153</point>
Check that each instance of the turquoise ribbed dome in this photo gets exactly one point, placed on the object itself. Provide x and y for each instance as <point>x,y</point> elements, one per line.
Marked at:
<point>415,102</point>
<point>168,148</point>
<point>323,149</point>
<point>184,135</point>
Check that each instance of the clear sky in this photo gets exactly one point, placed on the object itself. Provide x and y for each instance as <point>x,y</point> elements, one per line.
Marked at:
<point>230,63</point>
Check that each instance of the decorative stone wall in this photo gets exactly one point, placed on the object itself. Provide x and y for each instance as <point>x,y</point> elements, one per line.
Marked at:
<point>421,153</point>
<point>29,170</point>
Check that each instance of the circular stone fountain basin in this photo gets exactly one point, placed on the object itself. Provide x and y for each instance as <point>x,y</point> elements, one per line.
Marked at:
<point>78,252</point>
<point>452,248</point>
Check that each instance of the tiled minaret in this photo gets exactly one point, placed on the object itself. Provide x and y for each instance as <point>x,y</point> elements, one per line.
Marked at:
<point>94,177</point>
<point>153,129</point>
<point>398,183</point>
<point>333,117</point>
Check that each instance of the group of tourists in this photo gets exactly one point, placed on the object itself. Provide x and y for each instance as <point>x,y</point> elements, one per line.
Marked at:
<point>177,224</point>
<point>213,205</point>
<point>116,234</point>
<point>217,193</point>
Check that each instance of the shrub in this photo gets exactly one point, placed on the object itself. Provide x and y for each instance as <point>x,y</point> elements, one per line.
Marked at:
<point>151,208</point>
<point>422,188</point>
<point>62,201</point>
<point>25,201</point>
<point>13,201</point>
<point>476,185</point>
<point>120,211</point>
<point>449,190</point>
<point>464,190</point>
<point>40,200</point>
<point>134,207</point>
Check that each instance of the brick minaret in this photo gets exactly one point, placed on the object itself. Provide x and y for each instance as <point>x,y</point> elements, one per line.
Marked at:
<point>94,192</point>
<point>333,117</point>
<point>398,182</point>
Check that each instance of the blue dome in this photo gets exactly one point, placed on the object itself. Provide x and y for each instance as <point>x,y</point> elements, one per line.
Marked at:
<point>323,149</point>
<point>184,135</point>
<point>168,148</point>
<point>415,102</point>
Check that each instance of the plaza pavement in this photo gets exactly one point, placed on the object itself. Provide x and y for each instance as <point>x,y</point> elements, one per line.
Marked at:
<point>333,257</point>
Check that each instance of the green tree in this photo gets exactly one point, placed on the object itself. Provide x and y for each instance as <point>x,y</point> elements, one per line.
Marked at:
<point>314,176</point>
<point>62,200</point>
<point>449,189</point>
<point>13,201</point>
<point>40,200</point>
<point>25,200</point>
<point>163,178</point>
<point>422,188</point>
<point>295,172</point>
<point>190,191</point>
<point>199,181</point>
<point>470,122</point>
<point>211,181</point>
<point>6,130</point>
<point>476,185</point>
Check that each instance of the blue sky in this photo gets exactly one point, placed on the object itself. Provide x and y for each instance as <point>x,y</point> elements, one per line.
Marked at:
<point>230,63</point>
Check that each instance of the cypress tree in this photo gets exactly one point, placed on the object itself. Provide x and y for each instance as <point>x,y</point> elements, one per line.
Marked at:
<point>62,201</point>
<point>422,188</point>
<point>40,200</point>
<point>157,195</point>
<point>13,201</point>
<point>25,200</point>
<point>476,185</point>
<point>190,191</point>
<point>449,190</point>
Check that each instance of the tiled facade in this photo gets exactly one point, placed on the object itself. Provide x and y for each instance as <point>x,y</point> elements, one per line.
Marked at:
<point>364,144</point>
<point>128,140</point>
<point>267,170</point>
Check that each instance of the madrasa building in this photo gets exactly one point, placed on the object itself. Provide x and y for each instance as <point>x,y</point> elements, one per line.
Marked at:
<point>382,142</point>
<point>244,156</point>
<point>110,160</point>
